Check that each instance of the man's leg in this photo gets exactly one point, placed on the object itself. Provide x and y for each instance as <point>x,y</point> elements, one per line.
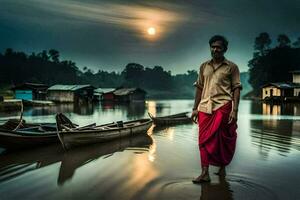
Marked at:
<point>204,177</point>
<point>222,171</point>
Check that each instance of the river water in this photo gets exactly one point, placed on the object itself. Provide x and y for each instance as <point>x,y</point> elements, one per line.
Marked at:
<point>159,165</point>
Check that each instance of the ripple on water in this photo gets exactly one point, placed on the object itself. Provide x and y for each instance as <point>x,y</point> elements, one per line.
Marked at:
<point>246,188</point>
<point>178,189</point>
<point>232,187</point>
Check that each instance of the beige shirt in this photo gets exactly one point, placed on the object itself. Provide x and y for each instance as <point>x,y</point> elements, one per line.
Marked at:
<point>217,84</point>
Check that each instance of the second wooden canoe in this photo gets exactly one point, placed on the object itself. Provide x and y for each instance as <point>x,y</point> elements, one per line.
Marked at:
<point>180,118</point>
<point>72,136</point>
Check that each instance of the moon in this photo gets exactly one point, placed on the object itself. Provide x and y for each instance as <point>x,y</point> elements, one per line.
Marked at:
<point>151,31</point>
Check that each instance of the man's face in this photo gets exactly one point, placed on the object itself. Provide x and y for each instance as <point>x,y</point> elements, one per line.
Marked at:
<point>217,49</point>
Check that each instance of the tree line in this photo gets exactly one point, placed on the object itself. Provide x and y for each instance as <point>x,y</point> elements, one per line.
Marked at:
<point>273,63</point>
<point>46,67</point>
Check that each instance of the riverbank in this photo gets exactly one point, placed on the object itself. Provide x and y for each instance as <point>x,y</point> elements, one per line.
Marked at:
<point>16,104</point>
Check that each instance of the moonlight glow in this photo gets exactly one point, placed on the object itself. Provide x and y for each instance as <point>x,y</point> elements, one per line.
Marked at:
<point>151,31</point>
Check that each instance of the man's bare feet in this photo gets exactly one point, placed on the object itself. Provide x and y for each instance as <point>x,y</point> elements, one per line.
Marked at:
<point>203,178</point>
<point>221,172</point>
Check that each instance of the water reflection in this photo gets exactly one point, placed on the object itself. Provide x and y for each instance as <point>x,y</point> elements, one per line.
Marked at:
<point>271,109</point>
<point>152,150</point>
<point>84,109</point>
<point>67,108</point>
<point>220,190</point>
<point>167,132</point>
<point>132,110</point>
<point>281,135</point>
<point>278,135</point>
<point>265,141</point>
<point>280,109</point>
<point>168,107</point>
<point>16,164</point>
<point>151,105</point>
<point>276,109</point>
<point>155,108</point>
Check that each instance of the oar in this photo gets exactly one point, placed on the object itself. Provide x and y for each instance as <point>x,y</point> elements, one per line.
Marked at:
<point>150,115</point>
<point>58,129</point>
<point>20,123</point>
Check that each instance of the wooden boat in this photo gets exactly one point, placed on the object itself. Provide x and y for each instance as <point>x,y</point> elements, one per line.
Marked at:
<point>179,118</point>
<point>16,135</point>
<point>70,135</point>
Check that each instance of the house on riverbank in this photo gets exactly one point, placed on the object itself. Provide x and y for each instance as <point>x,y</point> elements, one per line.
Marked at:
<point>30,91</point>
<point>70,93</point>
<point>99,93</point>
<point>296,80</point>
<point>125,95</point>
<point>283,91</point>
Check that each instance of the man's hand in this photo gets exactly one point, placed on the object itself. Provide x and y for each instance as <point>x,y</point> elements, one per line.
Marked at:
<point>233,116</point>
<point>194,116</point>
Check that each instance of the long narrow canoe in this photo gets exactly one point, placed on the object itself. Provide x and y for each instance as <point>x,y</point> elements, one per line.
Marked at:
<point>179,118</point>
<point>71,136</point>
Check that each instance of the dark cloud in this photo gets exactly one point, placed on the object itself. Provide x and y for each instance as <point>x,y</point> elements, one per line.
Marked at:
<point>108,34</point>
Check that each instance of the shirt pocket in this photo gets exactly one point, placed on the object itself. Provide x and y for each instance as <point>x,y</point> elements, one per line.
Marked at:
<point>222,77</point>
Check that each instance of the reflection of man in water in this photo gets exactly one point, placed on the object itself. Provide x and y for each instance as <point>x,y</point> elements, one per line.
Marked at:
<point>219,190</point>
<point>216,108</point>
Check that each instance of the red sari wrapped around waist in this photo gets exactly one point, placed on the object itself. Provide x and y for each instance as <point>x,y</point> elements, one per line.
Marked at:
<point>217,138</point>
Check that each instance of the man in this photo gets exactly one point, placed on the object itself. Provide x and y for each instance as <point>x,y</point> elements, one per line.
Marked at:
<point>216,109</point>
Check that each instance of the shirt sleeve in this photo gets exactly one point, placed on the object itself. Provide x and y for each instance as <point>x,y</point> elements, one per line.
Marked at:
<point>235,77</point>
<point>199,82</point>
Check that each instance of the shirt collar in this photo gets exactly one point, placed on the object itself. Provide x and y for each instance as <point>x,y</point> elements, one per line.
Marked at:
<point>225,61</point>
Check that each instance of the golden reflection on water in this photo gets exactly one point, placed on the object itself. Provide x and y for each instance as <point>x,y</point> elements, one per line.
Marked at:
<point>291,109</point>
<point>152,151</point>
<point>170,133</point>
<point>142,172</point>
<point>271,109</point>
<point>152,148</point>
<point>151,106</point>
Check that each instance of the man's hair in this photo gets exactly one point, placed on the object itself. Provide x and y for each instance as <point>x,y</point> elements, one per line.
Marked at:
<point>219,38</point>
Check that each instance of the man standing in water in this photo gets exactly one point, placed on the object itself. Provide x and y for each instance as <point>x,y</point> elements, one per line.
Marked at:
<point>216,109</point>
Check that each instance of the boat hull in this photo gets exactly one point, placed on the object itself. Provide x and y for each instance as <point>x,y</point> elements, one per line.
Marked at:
<point>13,140</point>
<point>179,118</point>
<point>71,139</point>
<point>171,121</point>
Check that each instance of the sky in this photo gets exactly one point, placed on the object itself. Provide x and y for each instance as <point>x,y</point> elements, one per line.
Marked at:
<point>109,34</point>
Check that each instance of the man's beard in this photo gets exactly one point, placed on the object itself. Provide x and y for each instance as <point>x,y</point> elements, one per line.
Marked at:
<point>217,55</point>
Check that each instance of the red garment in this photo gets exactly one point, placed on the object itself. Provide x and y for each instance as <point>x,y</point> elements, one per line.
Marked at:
<point>217,138</point>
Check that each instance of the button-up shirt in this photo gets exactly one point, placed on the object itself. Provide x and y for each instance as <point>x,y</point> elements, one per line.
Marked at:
<point>217,84</point>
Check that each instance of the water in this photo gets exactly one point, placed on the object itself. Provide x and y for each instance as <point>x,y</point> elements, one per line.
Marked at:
<point>159,166</point>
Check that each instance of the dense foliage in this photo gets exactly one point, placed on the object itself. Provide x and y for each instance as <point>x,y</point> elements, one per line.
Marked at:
<point>46,67</point>
<point>273,64</point>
